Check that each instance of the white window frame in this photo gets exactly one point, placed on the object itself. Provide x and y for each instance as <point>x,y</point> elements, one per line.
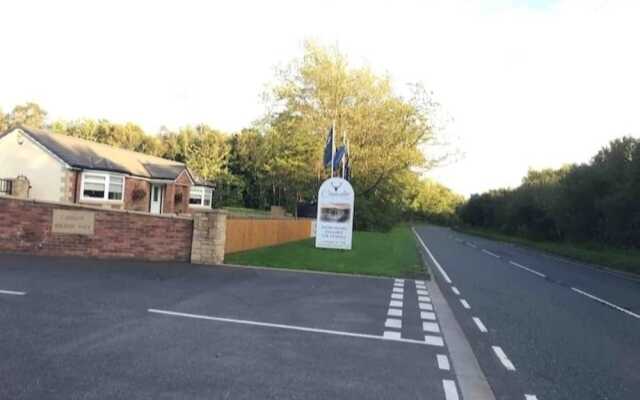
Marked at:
<point>107,177</point>
<point>203,190</point>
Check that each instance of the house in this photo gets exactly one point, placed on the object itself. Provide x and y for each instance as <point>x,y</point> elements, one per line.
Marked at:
<point>66,169</point>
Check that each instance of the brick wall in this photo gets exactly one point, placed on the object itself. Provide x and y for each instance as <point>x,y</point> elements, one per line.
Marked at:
<point>131,186</point>
<point>25,227</point>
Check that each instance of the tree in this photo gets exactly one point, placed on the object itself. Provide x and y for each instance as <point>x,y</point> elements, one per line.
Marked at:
<point>29,114</point>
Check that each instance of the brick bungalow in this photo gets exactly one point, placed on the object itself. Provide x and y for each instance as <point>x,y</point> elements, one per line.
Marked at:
<point>65,169</point>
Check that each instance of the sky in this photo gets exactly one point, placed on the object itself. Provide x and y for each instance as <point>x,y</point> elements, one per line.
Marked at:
<point>524,84</point>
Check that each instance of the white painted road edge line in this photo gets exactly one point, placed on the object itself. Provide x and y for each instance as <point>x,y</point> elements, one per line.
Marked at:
<point>450,390</point>
<point>13,292</point>
<point>490,253</point>
<point>530,397</point>
<point>443,362</point>
<point>455,290</point>
<point>598,299</point>
<point>503,358</point>
<point>480,325</point>
<point>290,327</point>
<point>465,304</point>
<point>437,264</point>
<point>533,271</point>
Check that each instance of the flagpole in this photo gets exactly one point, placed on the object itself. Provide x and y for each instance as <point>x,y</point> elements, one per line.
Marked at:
<point>333,145</point>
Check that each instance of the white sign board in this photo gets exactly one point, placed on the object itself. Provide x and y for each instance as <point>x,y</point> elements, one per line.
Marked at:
<point>334,225</point>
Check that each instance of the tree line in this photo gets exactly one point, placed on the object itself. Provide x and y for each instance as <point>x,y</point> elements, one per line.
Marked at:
<point>598,201</point>
<point>278,159</point>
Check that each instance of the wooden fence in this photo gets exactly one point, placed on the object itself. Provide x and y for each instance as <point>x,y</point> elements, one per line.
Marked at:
<point>245,233</point>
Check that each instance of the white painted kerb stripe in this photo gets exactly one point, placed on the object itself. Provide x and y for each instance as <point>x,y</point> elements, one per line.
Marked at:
<point>503,358</point>
<point>455,290</point>
<point>533,271</point>
<point>480,325</point>
<point>13,292</point>
<point>490,253</point>
<point>437,264</point>
<point>465,304</point>
<point>450,390</point>
<point>288,327</point>
<point>598,299</point>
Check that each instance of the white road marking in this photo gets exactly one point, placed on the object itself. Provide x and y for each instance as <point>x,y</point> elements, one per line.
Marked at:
<point>397,296</point>
<point>394,312</point>
<point>443,362</point>
<point>421,287</point>
<point>399,280</point>
<point>490,253</point>
<point>424,298</point>
<point>598,299</point>
<point>471,244</point>
<point>465,304</point>
<point>287,327</point>
<point>530,397</point>
<point>433,340</point>
<point>437,264</point>
<point>13,292</point>
<point>503,358</point>
<point>450,390</point>
<point>395,303</point>
<point>391,335</point>
<point>398,290</point>
<point>393,323</point>
<point>480,325</point>
<point>419,282</point>
<point>533,271</point>
<point>455,290</point>
<point>425,306</point>
<point>422,292</point>
<point>428,315</point>
<point>431,327</point>
<point>397,284</point>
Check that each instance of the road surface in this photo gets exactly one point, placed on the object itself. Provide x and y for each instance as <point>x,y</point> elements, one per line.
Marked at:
<point>540,326</point>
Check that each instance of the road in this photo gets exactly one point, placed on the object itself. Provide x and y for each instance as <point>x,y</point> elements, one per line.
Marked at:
<point>88,329</point>
<point>540,326</point>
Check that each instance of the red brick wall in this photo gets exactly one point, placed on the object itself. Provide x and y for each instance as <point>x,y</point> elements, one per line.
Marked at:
<point>25,227</point>
<point>131,185</point>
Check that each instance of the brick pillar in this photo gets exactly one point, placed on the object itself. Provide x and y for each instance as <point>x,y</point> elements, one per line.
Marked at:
<point>20,187</point>
<point>209,235</point>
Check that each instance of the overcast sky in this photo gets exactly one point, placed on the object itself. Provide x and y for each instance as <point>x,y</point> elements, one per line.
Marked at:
<point>534,83</point>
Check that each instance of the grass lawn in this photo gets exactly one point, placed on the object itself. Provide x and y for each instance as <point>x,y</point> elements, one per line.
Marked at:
<point>621,259</point>
<point>384,254</point>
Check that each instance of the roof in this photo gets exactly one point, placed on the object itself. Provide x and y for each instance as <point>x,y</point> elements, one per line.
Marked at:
<point>84,154</point>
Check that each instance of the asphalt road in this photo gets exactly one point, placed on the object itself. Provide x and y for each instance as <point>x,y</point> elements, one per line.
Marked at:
<point>557,337</point>
<point>82,329</point>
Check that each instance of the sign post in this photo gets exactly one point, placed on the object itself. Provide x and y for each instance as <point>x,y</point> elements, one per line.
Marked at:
<point>334,225</point>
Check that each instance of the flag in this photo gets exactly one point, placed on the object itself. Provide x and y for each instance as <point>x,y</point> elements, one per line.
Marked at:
<point>340,152</point>
<point>328,148</point>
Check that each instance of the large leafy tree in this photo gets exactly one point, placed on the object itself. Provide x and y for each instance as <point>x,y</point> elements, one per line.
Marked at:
<point>29,114</point>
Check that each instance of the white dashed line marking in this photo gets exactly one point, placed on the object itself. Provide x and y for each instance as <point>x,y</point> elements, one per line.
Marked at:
<point>533,271</point>
<point>472,245</point>
<point>598,299</point>
<point>431,327</point>
<point>397,296</point>
<point>424,298</point>
<point>455,290</point>
<point>425,306</point>
<point>422,292</point>
<point>450,390</point>
<point>394,312</point>
<point>397,284</point>
<point>434,340</point>
<point>421,287</point>
<point>13,292</point>
<point>480,325</point>
<point>465,304</point>
<point>428,315</point>
<point>420,282</point>
<point>398,290</point>
<point>443,362</point>
<point>395,303</point>
<point>391,335</point>
<point>490,253</point>
<point>503,358</point>
<point>393,323</point>
<point>437,264</point>
<point>530,397</point>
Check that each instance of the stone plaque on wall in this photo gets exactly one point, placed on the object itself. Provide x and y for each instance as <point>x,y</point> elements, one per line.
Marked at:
<point>73,222</point>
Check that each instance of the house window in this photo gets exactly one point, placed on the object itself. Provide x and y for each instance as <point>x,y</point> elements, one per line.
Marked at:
<point>200,196</point>
<point>102,186</point>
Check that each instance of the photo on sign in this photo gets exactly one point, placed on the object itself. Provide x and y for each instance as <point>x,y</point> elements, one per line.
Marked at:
<point>335,212</point>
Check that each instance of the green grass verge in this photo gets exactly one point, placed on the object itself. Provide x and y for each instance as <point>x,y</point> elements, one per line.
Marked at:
<point>620,259</point>
<point>382,254</point>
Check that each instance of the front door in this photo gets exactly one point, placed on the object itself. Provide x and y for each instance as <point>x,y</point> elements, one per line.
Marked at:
<point>156,198</point>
